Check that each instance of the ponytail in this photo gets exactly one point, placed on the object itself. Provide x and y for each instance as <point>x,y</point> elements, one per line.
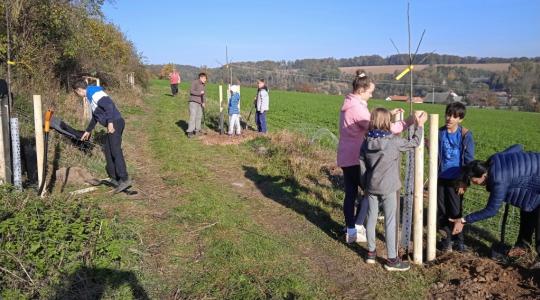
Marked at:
<point>361,81</point>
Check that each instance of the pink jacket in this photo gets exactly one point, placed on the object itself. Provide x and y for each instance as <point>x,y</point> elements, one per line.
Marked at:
<point>353,127</point>
<point>174,78</point>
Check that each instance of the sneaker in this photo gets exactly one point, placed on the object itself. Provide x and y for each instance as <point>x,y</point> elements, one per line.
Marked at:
<point>190,135</point>
<point>361,234</point>
<point>122,186</point>
<point>350,238</point>
<point>396,264</point>
<point>110,182</point>
<point>446,245</point>
<point>371,257</point>
<point>460,247</point>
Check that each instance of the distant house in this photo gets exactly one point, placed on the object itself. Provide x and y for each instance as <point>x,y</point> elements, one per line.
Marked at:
<point>503,98</point>
<point>404,99</point>
<point>443,98</point>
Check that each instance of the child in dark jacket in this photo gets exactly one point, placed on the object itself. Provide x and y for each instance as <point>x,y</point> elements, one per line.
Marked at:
<point>379,165</point>
<point>456,149</point>
<point>105,113</point>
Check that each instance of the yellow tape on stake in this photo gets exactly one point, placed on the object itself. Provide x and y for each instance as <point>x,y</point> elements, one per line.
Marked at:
<point>407,70</point>
<point>10,62</point>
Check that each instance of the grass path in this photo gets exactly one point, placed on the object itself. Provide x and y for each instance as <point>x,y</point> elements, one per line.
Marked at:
<point>220,221</point>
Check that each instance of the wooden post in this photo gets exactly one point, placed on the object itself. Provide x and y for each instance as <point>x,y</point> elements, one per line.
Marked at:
<point>418,210</point>
<point>432,200</point>
<point>38,122</point>
<point>5,142</point>
<point>220,98</point>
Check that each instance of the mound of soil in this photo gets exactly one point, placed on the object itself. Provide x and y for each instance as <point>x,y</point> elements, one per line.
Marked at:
<point>470,277</point>
<point>214,138</point>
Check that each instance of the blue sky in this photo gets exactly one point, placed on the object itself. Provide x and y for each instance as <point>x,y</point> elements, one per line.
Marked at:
<point>196,32</point>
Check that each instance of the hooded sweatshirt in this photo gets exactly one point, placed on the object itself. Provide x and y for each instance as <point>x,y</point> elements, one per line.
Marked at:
<point>103,109</point>
<point>353,126</point>
<point>379,161</point>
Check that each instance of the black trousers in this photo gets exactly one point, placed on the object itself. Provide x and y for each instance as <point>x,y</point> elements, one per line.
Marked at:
<point>351,176</point>
<point>174,89</point>
<point>449,206</point>
<point>529,223</point>
<point>116,165</point>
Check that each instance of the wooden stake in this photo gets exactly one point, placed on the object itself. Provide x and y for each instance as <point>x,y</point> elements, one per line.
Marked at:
<point>5,142</point>
<point>220,98</point>
<point>40,146</point>
<point>418,210</point>
<point>432,200</point>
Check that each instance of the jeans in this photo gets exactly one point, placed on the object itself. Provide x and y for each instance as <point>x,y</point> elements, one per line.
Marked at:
<point>260,119</point>
<point>116,165</point>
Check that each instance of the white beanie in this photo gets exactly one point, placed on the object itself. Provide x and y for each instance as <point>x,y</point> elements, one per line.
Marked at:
<point>235,88</point>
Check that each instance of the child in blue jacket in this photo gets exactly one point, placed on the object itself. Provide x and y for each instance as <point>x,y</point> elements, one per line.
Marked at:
<point>105,113</point>
<point>234,111</point>
<point>456,149</point>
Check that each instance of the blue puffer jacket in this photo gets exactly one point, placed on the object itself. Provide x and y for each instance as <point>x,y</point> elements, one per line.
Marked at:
<point>513,177</point>
<point>234,104</point>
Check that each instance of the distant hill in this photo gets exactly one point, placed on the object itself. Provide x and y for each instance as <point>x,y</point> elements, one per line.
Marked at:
<point>391,69</point>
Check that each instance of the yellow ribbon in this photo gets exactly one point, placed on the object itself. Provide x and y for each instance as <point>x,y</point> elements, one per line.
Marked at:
<point>407,70</point>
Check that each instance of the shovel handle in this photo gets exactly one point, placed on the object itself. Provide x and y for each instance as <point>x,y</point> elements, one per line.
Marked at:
<point>48,116</point>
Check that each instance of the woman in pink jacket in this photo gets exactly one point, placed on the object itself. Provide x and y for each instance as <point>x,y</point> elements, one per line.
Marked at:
<point>353,126</point>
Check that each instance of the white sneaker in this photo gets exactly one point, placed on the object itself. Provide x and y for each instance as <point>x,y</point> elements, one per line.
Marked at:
<point>361,234</point>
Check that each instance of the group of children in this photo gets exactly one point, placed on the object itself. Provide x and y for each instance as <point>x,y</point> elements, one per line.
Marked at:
<point>369,152</point>
<point>261,104</point>
<point>197,102</point>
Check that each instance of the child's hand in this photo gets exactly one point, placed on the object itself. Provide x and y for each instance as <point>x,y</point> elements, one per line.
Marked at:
<point>85,136</point>
<point>421,117</point>
<point>458,225</point>
<point>462,188</point>
<point>110,128</point>
<point>396,111</point>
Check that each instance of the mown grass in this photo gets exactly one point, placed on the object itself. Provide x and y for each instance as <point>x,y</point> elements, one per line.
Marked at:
<point>235,257</point>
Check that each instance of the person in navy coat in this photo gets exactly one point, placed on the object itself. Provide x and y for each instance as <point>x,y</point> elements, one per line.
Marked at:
<point>511,176</point>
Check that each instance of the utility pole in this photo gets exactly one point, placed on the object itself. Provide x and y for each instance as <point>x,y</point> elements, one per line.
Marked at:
<point>432,94</point>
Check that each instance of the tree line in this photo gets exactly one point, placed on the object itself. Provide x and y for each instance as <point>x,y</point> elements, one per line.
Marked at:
<point>520,82</point>
<point>55,42</point>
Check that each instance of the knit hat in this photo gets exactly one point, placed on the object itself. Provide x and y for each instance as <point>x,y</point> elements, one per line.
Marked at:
<point>235,88</point>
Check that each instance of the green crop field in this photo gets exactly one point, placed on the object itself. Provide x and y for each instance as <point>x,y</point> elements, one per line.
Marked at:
<point>312,114</point>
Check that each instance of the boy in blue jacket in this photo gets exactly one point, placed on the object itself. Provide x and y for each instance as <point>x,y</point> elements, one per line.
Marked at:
<point>456,149</point>
<point>105,113</point>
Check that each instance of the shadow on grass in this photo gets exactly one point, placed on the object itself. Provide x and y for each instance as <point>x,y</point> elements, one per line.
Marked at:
<point>182,125</point>
<point>91,283</point>
<point>286,191</point>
